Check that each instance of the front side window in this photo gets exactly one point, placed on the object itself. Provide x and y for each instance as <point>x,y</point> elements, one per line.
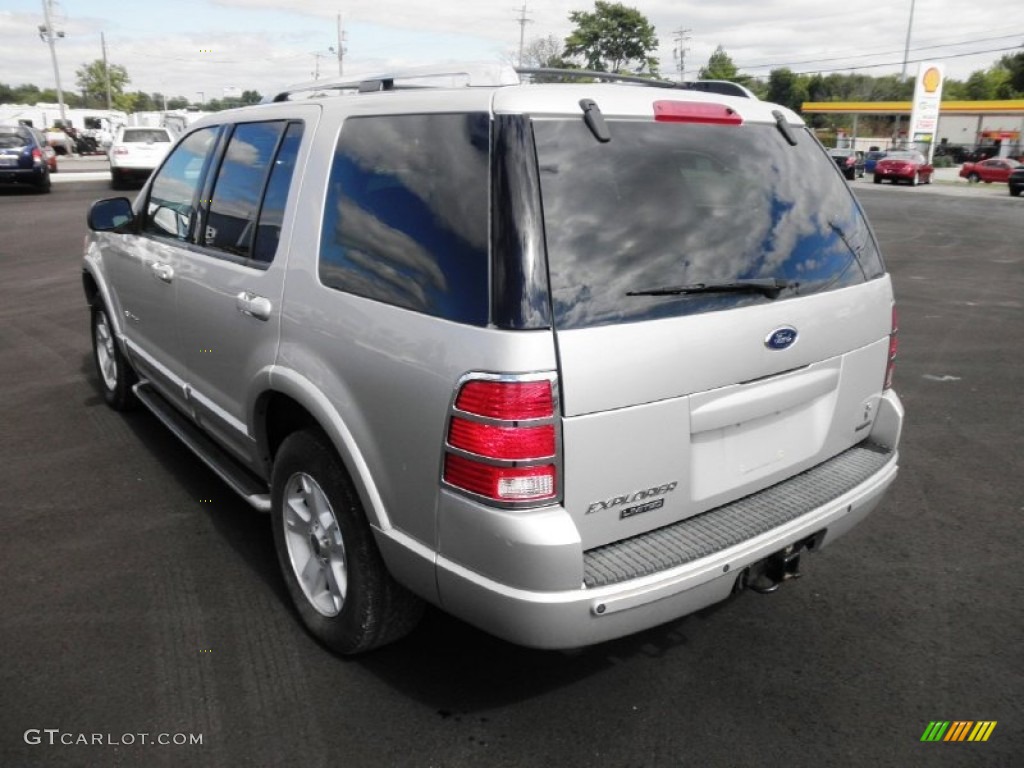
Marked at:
<point>172,204</point>
<point>664,205</point>
<point>406,217</point>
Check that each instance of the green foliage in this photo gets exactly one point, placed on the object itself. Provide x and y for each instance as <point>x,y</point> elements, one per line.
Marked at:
<point>92,82</point>
<point>787,89</point>
<point>613,38</point>
<point>719,67</point>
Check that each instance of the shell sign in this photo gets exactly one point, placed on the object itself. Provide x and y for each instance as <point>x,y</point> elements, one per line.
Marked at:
<point>924,117</point>
<point>931,80</point>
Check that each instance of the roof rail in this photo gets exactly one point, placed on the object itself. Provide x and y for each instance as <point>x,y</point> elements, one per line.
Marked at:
<point>722,87</point>
<point>450,76</point>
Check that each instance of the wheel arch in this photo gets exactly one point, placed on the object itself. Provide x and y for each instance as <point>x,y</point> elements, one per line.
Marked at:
<point>292,402</point>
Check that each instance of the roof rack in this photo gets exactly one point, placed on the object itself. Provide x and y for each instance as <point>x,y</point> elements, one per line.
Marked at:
<point>721,87</point>
<point>451,76</point>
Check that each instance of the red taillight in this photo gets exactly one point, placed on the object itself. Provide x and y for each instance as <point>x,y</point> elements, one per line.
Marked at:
<point>849,161</point>
<point>502,440</point>
<point>509,400</point>
<point>500,483</point>
<point>120,150</point>
<point>890,367</point>
<point>695,112</point>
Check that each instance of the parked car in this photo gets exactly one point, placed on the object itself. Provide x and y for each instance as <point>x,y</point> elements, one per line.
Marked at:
<point>903,165</point>
<point>1016,181</point>
<point>870,159</point>
<point>25,157</point>
<point>850,162</point>
<point>993,169</point>
<point>136,152</point>
<point>564,421</point>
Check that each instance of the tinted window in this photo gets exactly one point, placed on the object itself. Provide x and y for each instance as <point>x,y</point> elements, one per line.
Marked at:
<point>12,138</point>
<point>236,194</point>
<point>673,204</point>
<point>172,202</point>
<point>268,232</point>
<point>144,136</point>
<point>406,215</point>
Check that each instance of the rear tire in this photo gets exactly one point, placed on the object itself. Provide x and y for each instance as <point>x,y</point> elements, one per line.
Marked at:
<point>115,374</point>
<point>1015,191</point>
<point>43,187</point>
<point>331,565</point>
<point>877,179</point>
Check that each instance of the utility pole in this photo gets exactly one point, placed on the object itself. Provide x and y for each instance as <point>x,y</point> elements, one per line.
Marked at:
<point>341,48</point>
<point>106,71</point>
<point>523,21</point>
<point>679,52</point>
<point>47,34</point>
<point>906,48</point>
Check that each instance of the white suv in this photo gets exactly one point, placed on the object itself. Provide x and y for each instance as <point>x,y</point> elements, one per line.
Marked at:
<point>566,360</point>
<point>136,152</point>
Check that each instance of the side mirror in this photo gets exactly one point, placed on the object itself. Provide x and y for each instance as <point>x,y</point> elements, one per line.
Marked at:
<point>110,215</point>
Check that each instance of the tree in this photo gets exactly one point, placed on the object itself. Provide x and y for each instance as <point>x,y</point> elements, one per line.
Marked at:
<point>720,67</point>
<point>786,88</point>
<point>613,38</point>
<point>1014,64</point>
<point>92,81</point>
<point>543,52</point>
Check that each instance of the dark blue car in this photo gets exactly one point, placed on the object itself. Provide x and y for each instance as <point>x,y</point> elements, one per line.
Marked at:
<point>23,157</point>
<point>870,159</point>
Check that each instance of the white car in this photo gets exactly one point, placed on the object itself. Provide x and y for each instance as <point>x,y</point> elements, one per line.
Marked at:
<point>136,152</point>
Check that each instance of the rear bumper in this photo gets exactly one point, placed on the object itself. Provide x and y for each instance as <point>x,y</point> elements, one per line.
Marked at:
<point>592,614</point>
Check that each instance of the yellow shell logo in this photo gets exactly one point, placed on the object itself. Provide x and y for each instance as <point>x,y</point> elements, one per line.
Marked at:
<point>931,80</point>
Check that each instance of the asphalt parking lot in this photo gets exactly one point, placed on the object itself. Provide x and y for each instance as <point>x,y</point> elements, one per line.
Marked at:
<point>138,596</point>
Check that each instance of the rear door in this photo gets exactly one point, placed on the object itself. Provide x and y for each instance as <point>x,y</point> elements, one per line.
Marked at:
<point>721,313</point>
<point>231,283</point>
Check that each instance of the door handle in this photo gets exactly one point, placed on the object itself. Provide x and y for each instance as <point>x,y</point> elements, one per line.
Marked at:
<point>160,271</point>
<point>254,306</point>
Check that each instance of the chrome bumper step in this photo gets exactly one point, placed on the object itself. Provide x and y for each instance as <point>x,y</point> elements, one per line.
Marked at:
<point>241,480</point>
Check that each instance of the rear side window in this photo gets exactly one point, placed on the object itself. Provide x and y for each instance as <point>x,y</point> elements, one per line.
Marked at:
<point>405,221</point>
<point>235,201</point>
<point>664,205</point>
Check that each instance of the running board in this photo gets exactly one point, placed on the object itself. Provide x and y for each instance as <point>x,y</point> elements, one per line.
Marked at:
<point>241,480</point>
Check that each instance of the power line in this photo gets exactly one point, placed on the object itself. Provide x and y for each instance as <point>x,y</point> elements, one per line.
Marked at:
<point>877,53</point>
<point>911,61</point>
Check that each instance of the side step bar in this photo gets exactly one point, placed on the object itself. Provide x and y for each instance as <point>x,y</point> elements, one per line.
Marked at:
<point>242,482</point>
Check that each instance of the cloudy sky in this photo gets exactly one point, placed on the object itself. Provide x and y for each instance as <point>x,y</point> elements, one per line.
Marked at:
<point>184,47</point>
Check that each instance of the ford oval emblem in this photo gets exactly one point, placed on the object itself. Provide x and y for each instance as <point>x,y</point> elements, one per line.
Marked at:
<point>781,338</point>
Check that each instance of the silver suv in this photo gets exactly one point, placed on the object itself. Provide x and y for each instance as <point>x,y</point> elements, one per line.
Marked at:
<point>567,360</point>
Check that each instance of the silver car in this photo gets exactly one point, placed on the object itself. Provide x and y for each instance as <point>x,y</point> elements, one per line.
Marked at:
<point>547,356</point>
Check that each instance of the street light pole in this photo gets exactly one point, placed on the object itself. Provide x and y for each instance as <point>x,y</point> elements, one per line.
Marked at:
<point>48,31</point>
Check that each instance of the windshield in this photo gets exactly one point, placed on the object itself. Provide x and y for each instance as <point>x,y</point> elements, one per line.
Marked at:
<point>904,156</point>
<point>682,204</point>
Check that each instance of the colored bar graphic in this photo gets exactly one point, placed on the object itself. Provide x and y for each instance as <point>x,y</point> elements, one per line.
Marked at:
<point>958,730</point>
<point>935,730</point>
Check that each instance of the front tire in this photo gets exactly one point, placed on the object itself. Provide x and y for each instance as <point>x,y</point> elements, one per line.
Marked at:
<point>115,374</point>
<point>973,178</point>
<point>331,565</point>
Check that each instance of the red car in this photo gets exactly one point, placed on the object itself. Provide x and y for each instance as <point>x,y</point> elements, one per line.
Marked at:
<point>993,169</point>
<point>904,165</point>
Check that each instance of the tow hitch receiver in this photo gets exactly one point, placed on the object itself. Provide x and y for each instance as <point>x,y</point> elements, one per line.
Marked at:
<point>766,575</point>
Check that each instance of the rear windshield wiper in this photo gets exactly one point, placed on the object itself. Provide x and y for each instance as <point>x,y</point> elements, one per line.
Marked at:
<point>770,287</point>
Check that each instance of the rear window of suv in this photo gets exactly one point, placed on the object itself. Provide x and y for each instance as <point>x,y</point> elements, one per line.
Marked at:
<point>144,136</point>
<point>664,205</point>
<point>406,215</point>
